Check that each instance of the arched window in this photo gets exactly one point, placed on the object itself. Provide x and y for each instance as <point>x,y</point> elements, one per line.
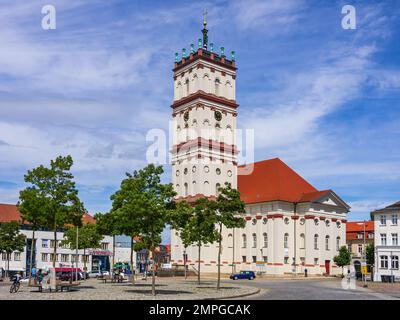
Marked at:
<point>217,186</point>
<point>302,241</point>
<point>327,243</point>
<point>206,83</point>
<point>195,83</point>
<point>187,85</point>
<point>316,242</point>
<point>244,241</point>
<point>228,90</point>
<point>194,187</point>
<point>206,188</point>
<point>337,243</point>
<point>186,189</point>
<point>286,240</point>
<point>265,235</point>
<point>230,240</point>
<point>254,240</point>
<point>217,86</point>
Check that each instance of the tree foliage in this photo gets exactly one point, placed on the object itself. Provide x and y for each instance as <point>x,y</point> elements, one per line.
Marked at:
<point>343,258</point>
<point>227,210</point>
<point>370,254</point>
<point>54,189</point>
<point>11,239</point>
<point>143,206</point>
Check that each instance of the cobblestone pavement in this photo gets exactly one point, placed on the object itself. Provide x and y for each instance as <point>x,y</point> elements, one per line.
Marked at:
<point>93,289</point>
<point>392,289</point>
<point>316,289</point>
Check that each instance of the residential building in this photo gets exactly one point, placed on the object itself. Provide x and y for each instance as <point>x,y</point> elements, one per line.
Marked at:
<point>359,234</point>
<point>387,247</point>
<point>290,225</point>
<point>96,258</point>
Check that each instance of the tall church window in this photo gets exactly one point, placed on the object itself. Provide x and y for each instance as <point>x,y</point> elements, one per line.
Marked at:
<point>186,188</point>
<point>244,241</point>
<point>286,241</point>
<point>206,188</point>
<point>254,240</point>
<point>265,235</point>
<point>316,242</point>
<point>327,243</point>
<point>217,87</point>
<point>187,85</point>
<point>302,241</point>
<point>337,243</point>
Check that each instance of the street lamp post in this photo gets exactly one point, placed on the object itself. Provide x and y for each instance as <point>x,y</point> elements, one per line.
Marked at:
<point>76,254</point>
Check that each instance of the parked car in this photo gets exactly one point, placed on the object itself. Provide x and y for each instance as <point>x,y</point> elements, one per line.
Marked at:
<point>249,275</point>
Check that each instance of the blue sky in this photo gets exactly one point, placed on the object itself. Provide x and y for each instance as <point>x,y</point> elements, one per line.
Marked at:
<point>323,99</point>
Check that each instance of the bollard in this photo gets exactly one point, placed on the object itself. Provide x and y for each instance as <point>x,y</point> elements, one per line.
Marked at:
<point>305,273</point>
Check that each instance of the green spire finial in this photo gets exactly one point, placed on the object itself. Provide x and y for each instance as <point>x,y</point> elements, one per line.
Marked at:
<point>176,56</point>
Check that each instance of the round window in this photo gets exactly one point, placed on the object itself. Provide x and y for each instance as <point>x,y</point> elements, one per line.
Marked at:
<point>177,173</point>
<point>218,171</point>
<point>302,221</point>
<point>265,220</point>
<point>286,220</point>
<point>186,116</point>
<point>229,173</point>
<point>327,223</point>
<point>338,224</point>
<point>194,169</point>
<point>185,171</point>
<point>206,169</point>
<point>254,221</point>
<point>316,222</point>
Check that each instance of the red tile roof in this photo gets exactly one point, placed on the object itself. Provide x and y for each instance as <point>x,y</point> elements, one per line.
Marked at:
<point>358,226</point>
<point>9,212</point>
<point>273,180</point>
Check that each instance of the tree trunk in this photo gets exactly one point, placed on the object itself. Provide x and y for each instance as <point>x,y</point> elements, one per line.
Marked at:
<point>84,262</point>
<point>113,256</point>
<point>219,257</point>
<point>55,247</point>
<point>198,264</point>
<point>8,264</point>
<point>184,261</point>
<point>132,277</point>
<point>153,276</point>
<point>31,256</point>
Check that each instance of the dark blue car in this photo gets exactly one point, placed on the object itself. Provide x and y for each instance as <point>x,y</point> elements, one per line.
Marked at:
<point>249,275</point>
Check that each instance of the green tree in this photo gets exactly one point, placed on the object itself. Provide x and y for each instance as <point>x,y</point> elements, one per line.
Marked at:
<point>32,206</point>
<point>88,238</point>
<point>143,205</point>
<point>178,221</point>
<point>108,224</point>
<point>55,183</point>
<point>343,258</point>
<point>10,240</point>
<point>227,209</point>
<point>370,254</point>
<point>200,228</point>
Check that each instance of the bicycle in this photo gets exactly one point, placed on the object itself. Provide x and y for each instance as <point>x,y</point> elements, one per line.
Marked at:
<point>15,287</point>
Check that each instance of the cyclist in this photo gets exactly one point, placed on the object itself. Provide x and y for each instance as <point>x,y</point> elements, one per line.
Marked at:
<point>16,282</point>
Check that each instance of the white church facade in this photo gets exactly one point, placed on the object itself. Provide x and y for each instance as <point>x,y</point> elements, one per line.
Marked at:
<point>290,225</point>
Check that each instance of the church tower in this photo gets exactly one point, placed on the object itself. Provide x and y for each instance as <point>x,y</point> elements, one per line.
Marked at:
<point>204,114</point>
<point>204,153</point>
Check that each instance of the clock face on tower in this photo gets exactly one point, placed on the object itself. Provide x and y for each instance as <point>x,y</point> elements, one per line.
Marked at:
<point>218,115</point>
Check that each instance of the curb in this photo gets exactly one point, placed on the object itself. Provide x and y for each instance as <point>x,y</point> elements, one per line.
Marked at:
<point>236,296</point>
